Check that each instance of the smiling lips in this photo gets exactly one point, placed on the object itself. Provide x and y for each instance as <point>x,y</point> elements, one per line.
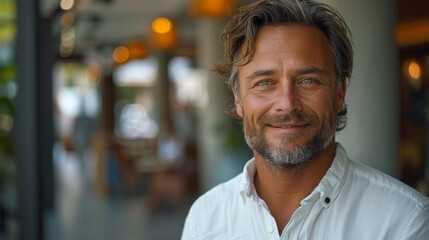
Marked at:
<point>288,125</point>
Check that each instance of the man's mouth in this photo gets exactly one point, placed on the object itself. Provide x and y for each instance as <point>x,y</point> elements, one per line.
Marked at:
<point>288,125</point>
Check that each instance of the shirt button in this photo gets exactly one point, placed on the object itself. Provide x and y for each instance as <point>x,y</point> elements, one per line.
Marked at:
<point>327,200</point>
<point>270,229</point>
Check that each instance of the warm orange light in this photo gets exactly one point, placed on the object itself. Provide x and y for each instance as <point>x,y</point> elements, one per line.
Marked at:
<point>216,7</point>
<point>162,25</point>
<point>414,70</point>
<point>93,71</point>
<point>137,49</point>
<point>412,33</point>
<point>67,19</point>
<point>163,33</point>
<point>211,8</point>
<point>413,73</point>
<point>121,54</point>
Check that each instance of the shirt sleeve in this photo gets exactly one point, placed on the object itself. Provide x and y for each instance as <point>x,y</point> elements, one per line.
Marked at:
<point>418,228</point>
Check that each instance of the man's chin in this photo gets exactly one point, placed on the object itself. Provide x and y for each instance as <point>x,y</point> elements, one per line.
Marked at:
<point>289,142</point>
<point>292,154</point>
<point>290,159</point>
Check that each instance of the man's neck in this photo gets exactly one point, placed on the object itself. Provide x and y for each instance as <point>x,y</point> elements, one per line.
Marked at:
<point>284,189</point>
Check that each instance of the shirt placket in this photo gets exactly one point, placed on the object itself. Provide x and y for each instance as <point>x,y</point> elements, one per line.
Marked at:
<point>270,224</point>
<point>293,228</point>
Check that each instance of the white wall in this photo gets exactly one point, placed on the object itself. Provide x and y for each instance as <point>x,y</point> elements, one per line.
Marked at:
<point>372,132</point>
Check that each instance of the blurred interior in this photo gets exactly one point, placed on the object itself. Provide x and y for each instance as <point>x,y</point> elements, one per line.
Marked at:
<point>112,120</point>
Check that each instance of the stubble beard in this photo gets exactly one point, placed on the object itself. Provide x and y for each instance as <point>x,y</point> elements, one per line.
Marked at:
<point>296,156</point>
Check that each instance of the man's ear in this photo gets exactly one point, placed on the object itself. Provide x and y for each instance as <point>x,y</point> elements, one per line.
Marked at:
<point>237,103</point>
<point>341,96</point>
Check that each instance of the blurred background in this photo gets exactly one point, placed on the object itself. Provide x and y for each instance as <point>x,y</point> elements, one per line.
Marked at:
<point>112,120</point>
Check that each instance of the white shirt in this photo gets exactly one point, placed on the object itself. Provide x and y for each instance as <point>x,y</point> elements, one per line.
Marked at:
<point>352,201</point>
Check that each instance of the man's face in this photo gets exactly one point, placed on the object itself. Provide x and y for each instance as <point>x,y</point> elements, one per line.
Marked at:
<point>288,95</point>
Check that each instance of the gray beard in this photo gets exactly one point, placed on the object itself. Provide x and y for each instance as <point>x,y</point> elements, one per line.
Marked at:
<point>297,156</point>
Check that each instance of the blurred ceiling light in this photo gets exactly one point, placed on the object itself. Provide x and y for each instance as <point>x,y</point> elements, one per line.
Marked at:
<point>67,19</point>
<point>68,34</point>
<point>162,25</point>
<point>210,8</point>
<point>137,49</point>
<point>121,54</point>
<point>163,33</point>
<point>67,45</point>
<point>66,4</point>
<point>65,51</point>
<point>416,32</point>
<point>413,72</point>
<point>67,42</point>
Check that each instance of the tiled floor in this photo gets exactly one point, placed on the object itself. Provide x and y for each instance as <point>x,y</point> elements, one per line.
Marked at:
<point>82,215</point>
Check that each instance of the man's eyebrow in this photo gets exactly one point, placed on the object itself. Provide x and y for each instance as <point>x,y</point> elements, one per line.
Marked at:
<point>311,70</point>
<point>260,73</point>
<point>271,72</point>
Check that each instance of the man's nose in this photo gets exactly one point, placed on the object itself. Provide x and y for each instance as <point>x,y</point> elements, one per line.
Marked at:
<point>287,98</point>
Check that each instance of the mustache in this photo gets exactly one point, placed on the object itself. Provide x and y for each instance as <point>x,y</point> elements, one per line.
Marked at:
<point>294,117</point>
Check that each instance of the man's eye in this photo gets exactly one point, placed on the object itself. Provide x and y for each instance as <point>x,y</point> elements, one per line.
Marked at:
<point>263,83</point>
<point>308,81</point>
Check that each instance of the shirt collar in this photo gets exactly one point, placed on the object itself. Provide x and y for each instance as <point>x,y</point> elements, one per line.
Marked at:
<point>331,184</point>
<point>247,188</point>
<point>327,190</point>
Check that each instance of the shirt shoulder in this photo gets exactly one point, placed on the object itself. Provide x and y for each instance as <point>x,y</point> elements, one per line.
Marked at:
<point>212,213</point>
<point>373,205</point>
<point>219,195</point>
<point>384,186</point>
<point>401,211</point>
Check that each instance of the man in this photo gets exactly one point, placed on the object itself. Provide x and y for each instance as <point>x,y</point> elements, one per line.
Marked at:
<point>288,63</point>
